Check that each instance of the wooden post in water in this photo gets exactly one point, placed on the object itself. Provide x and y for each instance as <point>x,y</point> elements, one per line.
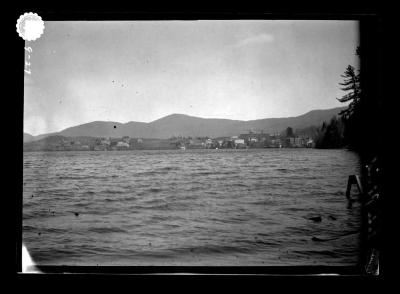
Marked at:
<point>353,179</point>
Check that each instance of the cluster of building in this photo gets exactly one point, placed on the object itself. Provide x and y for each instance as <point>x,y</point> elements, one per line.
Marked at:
<point>123,143</point>
<point>250,140</point>
<point>91,143</point>
<point>242,141</point>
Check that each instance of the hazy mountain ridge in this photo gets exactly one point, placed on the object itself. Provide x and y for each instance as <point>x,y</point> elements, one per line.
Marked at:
<point>28,137</point>
<point>185,125</point>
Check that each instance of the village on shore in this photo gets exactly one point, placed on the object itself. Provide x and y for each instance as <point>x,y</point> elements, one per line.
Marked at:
<point>242,141</point>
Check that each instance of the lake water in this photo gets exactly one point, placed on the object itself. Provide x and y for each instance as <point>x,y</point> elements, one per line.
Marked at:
<point>190,207</point>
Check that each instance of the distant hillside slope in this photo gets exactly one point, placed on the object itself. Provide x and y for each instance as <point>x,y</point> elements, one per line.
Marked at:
<point>185,125</point>
<point>28,137</point>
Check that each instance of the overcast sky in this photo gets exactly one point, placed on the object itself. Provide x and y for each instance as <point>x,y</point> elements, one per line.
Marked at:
<point>141,71</point>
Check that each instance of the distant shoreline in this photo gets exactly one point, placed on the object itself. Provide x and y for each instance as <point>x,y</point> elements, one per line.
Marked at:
<point>188,149</point>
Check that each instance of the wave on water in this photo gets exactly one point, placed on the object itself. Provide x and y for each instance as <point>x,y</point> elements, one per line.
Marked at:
<point>82,204</point>
<point>37,214</point>
<point>168,168</point>
<point>316,253</point>
<point>212,249</point>
<point>139,207</point>
<point>84,177</point>
<point>102,230</point>
<point>113,191</point>
<point>27,228</point>
<point>236,184</point>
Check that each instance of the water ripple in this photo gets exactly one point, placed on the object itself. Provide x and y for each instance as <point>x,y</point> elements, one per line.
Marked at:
<point>233,207</point>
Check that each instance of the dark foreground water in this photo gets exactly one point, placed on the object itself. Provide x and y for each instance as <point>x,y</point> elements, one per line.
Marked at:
<point>192,207</point>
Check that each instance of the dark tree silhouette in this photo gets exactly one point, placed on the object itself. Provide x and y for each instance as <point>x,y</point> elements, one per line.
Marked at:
<point>330,135</point>
<point>351,84</point>
<point>289,132</point>
<point>357,116</point>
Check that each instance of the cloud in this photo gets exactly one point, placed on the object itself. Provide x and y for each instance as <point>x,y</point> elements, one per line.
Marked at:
<point>258,39</point>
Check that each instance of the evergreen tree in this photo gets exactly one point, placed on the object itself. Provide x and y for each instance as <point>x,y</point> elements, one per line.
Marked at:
<point>354,117</point>
<point>330,135</point>
<point>289,132</point>
<point>352,84</point>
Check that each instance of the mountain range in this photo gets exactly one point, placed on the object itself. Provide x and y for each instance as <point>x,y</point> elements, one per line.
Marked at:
<point>185,125</point>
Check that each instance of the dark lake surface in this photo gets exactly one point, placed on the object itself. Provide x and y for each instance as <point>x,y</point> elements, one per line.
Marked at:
<point>190,207</point>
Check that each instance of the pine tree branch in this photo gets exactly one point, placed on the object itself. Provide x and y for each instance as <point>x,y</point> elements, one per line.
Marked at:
<point>348,88</point>
<point>346,97</point>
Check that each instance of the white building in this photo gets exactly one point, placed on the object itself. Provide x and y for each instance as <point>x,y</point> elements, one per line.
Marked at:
<point>239,141</point>
<point>105,142</point>
<point>122,144</point>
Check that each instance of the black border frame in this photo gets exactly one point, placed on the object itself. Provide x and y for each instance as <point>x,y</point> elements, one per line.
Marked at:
<point>371,30</point>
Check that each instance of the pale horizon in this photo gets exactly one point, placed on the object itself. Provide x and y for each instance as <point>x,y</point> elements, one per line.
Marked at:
<point>122,71</point>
